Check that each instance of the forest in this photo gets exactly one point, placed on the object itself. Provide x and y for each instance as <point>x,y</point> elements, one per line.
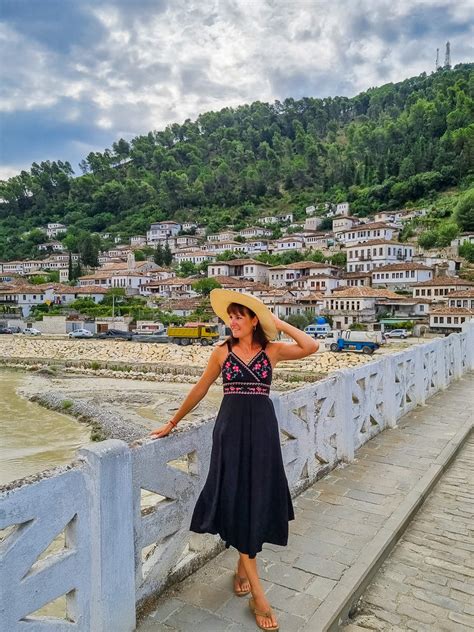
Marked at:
<point>381,149</point>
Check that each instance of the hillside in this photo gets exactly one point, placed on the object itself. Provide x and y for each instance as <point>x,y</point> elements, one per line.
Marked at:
<point>381,149</point>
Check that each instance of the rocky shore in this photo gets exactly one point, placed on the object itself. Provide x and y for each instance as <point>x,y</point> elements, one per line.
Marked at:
<point>125,389</point>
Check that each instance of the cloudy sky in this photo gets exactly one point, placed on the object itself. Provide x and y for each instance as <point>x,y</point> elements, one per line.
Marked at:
<point>76,75</point>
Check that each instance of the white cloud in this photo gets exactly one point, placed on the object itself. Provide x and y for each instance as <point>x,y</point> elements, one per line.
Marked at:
<point>159,63</point>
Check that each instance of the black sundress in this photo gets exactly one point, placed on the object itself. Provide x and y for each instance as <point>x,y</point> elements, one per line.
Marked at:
<point>245,498</point>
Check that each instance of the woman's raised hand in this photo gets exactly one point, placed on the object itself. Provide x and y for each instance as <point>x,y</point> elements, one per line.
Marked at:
<point>161,432</point>
<point>278,322</point>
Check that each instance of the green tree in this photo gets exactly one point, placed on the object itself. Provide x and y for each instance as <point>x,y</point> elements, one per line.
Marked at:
<point>167,255</point>
<point>464,211</point>
<point>158,255</point>
<point>89,252</point>
<point>204,286</point>
<point>428,239</point>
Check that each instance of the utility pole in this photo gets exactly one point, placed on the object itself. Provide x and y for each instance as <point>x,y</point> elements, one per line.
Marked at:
<point>437,59</point>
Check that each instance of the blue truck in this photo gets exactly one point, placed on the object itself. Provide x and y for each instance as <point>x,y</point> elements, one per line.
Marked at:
<point>364,341</point>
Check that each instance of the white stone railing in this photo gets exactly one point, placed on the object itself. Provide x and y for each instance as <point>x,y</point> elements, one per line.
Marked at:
<point>118,553</point>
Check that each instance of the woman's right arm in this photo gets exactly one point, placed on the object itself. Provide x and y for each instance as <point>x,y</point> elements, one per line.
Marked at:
<point>199,390</point>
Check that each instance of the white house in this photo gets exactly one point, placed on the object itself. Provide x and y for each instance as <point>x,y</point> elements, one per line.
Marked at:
<point>187,226</point>
<point>194,256</point>
<point>256,246</point>
<point>365,256</point>
<point>439,288</point>
<point>367,232</point>
<point>310,210</point>
<point>459,309</point>
<point>318,283</point>
<point>285,275</point>
<point>343,223</point>
<point>53,229</point>
<point>352,305</point>
<point>400,275</point>
<point>240,269</point>
<point>268,219</point>
<point>138,240</point>
<point>342,208</point>
<point>287,243</point>
<point>224,235</point>
<point>184,241</point>
<point>255,231</point>
<point>313,223</point>
<point>160,231</point>
<point>55,246</point>
<point>223,246</point>
<point>317,241</point>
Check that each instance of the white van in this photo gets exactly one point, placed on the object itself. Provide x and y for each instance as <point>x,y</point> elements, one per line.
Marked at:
<point>318,331</point>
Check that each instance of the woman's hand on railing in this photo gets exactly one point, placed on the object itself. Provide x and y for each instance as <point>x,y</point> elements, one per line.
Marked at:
<point>162,432</point>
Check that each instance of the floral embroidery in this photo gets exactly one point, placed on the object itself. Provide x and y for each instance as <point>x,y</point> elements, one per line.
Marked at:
<point>241,378</point>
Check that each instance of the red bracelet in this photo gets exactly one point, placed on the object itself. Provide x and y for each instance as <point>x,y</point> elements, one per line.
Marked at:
<point>173,424</point>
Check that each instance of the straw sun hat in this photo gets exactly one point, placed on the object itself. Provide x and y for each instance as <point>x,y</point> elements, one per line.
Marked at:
<point>221,299</point>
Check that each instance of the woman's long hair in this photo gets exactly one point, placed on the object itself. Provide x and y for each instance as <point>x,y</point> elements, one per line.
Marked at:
<point>259,335</point>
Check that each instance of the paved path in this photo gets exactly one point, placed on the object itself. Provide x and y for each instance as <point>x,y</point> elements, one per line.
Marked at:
<point>337,520</point>
<point>427,583</point>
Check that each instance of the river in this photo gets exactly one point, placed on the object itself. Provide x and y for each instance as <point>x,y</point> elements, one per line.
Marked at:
<point>33,438</point>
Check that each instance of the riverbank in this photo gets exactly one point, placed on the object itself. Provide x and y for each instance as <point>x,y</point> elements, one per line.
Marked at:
<point>122,390</point>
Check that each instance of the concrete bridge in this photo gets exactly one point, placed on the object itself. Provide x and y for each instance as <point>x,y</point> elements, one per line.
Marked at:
<point>355,489</point>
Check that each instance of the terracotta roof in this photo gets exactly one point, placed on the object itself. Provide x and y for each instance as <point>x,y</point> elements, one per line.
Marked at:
<point>409,265</point>
<point>356,275</point>
<point>378,242</point>
<point>362,291</point>
<point>444,281</point>
<point>453,310</point>
<point>462,294</point>
<point>371,226</point>
<point>239,262</point>
<point>301,265</point>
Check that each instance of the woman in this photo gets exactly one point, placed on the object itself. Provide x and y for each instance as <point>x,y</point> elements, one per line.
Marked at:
<point>245,497</point>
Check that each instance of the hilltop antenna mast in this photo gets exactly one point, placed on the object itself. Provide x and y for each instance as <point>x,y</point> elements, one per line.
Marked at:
<point>437,59</point>
<point>447,57</point>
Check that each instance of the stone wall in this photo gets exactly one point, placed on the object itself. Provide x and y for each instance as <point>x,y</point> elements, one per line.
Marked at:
<point>125,510</point>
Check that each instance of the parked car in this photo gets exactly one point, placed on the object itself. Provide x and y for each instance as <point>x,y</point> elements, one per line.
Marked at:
<point>115,334</point>
<point>31,331</point>
<point>80,333</point>
<point>14,329</point>
<point>396,333</point>
<point>5,330</point>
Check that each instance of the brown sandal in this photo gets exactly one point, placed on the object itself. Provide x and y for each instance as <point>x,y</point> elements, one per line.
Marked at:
<point>267,615</point>
<point>240,593</point>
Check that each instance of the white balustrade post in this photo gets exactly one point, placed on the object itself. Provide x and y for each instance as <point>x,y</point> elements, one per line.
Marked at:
<point>457,357</point>
<point>442,358</point>
<point>468,328</point>
<point>389,393</point>
<point>420,392</point>
<point>344,415</point>
<point>109,481</point>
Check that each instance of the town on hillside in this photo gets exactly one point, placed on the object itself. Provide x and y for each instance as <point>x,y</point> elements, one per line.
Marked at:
<point>384,282</point>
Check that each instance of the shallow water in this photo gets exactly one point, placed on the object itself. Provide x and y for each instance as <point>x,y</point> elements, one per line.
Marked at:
<point>33,438</point>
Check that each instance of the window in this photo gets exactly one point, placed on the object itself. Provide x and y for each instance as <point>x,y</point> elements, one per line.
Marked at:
<point>435,319</point>
<point>448,319</point>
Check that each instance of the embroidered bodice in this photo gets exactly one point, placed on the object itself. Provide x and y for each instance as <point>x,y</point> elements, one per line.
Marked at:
<point>247,378</point>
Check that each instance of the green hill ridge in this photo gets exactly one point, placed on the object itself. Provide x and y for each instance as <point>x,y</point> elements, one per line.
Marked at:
<point>381,149</point>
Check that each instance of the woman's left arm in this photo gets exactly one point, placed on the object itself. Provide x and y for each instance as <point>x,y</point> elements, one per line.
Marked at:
<point>303,346</point>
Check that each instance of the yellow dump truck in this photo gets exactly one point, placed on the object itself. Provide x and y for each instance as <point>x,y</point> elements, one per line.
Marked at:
<point>202,332</point>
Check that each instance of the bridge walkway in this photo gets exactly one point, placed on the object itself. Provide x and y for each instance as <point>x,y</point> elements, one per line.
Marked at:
<point>346,526</point>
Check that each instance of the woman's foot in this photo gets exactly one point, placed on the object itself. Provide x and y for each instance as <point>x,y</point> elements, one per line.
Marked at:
<point>261,605</point>
<point>241,582</point>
